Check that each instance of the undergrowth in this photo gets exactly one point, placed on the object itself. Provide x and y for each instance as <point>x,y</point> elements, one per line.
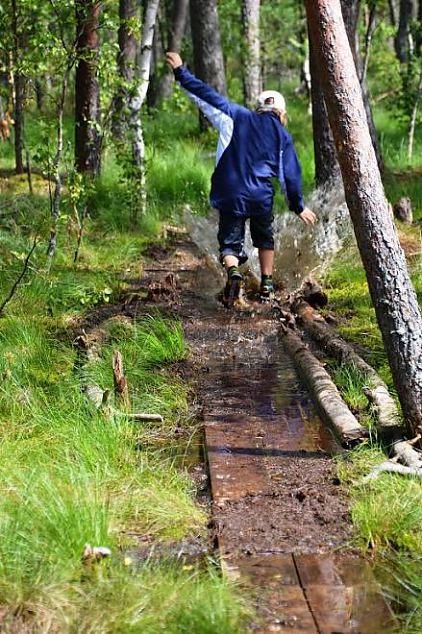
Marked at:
<point>72,475</point>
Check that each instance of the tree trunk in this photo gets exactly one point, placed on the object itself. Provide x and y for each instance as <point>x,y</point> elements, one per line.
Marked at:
<point>157,59</point>
<point>418,35</point>
<point>126,63</point>
<point>207,51</point>
<point>412,125</point>
<point>393,12</point>
<point>370,28</point>
<point>57,195</point>
<point>135,104</point>
<point>87,90</point>
<point>177,27</point>
<point>252,81</point>
<point>326,164</point>
<point>403,39</point>
<point>350,11</point>
<point>19,92</point>
<point>391,290</point>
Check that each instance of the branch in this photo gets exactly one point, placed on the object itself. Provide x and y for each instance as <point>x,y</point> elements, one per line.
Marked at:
<point>19,279</point>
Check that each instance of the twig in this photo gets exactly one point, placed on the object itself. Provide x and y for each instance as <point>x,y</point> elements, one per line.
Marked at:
<point>19,279</point>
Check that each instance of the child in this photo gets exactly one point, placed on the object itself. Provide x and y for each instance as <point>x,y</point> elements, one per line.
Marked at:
<point>252,148</point>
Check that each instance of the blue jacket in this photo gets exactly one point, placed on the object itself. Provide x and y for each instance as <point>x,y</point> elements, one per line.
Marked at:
<point>251,149</point>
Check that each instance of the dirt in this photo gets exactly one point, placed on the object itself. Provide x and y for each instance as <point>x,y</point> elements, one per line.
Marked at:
<point>280,518</point>
<point>248,387</point>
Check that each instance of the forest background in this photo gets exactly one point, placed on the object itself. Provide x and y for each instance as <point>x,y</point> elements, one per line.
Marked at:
<point>78,206</point>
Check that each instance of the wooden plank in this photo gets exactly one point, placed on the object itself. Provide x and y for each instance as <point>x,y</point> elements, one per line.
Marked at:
<point>317,570</point>
<point>269,570</point>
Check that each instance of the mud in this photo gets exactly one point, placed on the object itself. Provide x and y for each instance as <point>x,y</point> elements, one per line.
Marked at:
<point>264,428</point>
<point>278,510</point>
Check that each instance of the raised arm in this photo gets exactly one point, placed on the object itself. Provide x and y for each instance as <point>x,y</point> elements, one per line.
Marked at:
<point>198,88</point>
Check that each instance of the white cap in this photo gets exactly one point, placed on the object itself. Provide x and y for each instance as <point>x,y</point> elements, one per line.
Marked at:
<point>271,100</point>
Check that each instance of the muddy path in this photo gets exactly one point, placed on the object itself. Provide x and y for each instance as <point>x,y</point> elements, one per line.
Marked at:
<point>280,518</point>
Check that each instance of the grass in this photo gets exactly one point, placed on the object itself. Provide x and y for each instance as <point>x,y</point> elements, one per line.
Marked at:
<point>70,475</point>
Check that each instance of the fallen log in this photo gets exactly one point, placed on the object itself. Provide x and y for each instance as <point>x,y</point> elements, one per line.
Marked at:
<point>389,466</point>
<point>387,414</point>
<point>325,394</point>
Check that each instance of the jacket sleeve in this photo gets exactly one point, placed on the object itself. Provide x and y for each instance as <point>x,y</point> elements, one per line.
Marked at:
<point>290,177</point>
<point>204,93</point>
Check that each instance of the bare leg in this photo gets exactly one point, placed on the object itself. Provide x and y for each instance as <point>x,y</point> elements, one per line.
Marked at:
<point>230,260</point>
<point>266,261</point>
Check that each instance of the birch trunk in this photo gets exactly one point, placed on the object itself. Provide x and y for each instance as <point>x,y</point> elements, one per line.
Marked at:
<point>57,195</point>
<point>135,104</point>
<point>391,290</point>
<point>252,81</point>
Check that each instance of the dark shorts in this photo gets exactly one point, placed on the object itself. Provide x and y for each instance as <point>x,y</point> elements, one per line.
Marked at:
<point>231,234</point>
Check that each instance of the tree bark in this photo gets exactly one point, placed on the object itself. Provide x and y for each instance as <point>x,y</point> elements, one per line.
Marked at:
<point>252,81</point>
<point>387,414</point>
<point>326,164</point>
<point>157,57</point>
<point>126,63</point>
<point>403,39</point>
<point>370,28</point>
<point>390,287</point>
<point>207,50</point>
<point>325,394</point>
<point>350,10</point>
<point>87,90</point>
<point>19,93</point>
<point>177,27</point>
<point>327,168</point>
<point>393,12</point>
<point>412,125</point>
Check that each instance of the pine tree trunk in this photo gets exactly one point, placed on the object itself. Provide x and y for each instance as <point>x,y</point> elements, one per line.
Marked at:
<point>402,40</point>
<point>207,51</point>
<point>19,93</point>
<point>393,12</point>
<point>87,90</point>
<point>177,27</point>
<point>326,164</point>
<point>392,294</point>
<point>126,63</point>
<point>350,11</point>
<point>252,81</point>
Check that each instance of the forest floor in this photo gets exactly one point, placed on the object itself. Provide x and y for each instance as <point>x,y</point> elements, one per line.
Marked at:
<point>280,516</point>
<point>71,474</point>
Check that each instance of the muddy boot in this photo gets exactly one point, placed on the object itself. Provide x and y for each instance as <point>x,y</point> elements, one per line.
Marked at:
<point>266,291</point>
<point>233,286</point>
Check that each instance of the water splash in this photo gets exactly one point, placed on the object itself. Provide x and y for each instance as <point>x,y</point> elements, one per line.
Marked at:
<point>299,250</point>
